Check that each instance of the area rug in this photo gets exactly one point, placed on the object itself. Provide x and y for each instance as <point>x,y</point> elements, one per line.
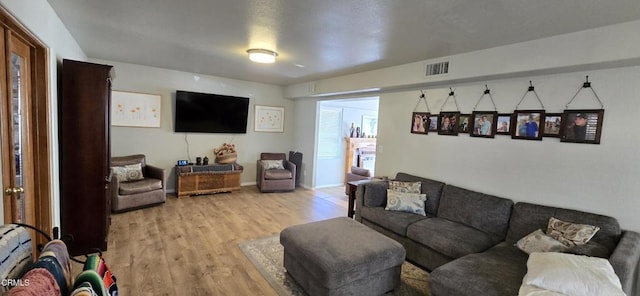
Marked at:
<point>267,253</point>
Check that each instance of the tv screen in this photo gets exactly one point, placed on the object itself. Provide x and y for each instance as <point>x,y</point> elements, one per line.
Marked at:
<point>210,113</point>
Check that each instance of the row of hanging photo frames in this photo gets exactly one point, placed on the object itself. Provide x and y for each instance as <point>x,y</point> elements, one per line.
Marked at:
<point>577,126</point>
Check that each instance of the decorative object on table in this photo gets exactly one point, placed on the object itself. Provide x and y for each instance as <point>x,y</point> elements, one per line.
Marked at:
<point>352,130</point>
<point>552,124</point>
<point>504,124</point>
<point>420,121</point>
<point>135,109</point>
<point>448,121</point>
<point>198,160</point>
<point>205,161</point>
<point>582,126</point>
<point>527,124</point>
<point>484,123</point>
<point>357,132</point>
<point>269,119</point>
<point>226,153</point>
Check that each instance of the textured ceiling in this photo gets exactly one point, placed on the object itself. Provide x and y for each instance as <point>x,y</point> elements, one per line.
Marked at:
<point>317,39</point>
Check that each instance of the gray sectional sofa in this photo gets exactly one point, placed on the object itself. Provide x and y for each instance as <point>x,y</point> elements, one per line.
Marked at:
<point>467,240</point>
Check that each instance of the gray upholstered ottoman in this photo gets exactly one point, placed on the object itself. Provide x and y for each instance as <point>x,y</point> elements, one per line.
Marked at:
<point>341,257</point>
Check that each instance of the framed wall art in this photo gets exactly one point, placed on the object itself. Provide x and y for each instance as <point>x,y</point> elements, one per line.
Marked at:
<point>483,124</point>
<point>504,124</point>
<point>433,123</point>
<point>269,119</point>
<point>448,123</point>
<point>552,124</point>
<point>582,126</point>
<point>465,125</point>
<point>420,123</point>
<point>135,109</point>
<point>527,124</point>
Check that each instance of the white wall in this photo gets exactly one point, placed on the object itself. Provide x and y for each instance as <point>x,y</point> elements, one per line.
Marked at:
<point>304,137</point>
<point>596,178</point>
<point>40,19</point>
<point>163,147</point>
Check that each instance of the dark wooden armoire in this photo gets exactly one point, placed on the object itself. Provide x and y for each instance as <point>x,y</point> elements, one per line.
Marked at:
<point>85,155</point>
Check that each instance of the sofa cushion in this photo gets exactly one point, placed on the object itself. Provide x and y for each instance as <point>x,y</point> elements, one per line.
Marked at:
<point>396,222</point>
<point>406,202</point>
<point>528,217</point>
<point>432,188</point>
<point>277,174</point>
<point>484,212</point>
<point>375,194</point>
<point>144,185</point>
<point>450,238</point>
<point>497,272</point>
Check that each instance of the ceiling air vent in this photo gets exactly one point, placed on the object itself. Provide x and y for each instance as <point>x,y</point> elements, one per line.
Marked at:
<point>438,68</point>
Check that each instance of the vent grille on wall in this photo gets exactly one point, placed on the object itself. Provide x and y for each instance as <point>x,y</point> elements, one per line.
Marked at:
<point>438,68</point>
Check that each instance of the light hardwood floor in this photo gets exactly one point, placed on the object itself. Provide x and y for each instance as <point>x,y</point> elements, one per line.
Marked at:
<point>189,246</point>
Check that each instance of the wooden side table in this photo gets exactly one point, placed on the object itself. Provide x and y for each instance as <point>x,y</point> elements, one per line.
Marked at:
<point>352,186</point>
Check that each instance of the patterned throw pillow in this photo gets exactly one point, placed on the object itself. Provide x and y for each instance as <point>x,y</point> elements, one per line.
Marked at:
<point>409,187</point>
<point>406,202</point>
<point>130,172</point>
<point>538,241</point>
<point>570,234</point>
<point>273,164</point>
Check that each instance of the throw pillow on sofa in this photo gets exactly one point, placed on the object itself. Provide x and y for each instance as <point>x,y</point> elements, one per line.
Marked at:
<point>538,241</point>
<point>572,274</point>
<point>570,234</point>
<point>406,202</point>
<point>273,164</point>
<point>409,187</point>
<point>129,172</point>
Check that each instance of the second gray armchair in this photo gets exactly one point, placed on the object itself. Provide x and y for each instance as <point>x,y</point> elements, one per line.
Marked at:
<point>275,173</point>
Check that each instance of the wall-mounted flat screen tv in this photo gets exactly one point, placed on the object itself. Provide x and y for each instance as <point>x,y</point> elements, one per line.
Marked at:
<point>210,113</point>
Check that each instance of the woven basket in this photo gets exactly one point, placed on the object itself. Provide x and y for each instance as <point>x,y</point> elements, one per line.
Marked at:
<point>227,158</point>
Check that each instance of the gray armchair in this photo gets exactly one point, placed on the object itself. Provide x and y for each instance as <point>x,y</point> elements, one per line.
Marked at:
<point>143,190</point>
<point>275,179</point>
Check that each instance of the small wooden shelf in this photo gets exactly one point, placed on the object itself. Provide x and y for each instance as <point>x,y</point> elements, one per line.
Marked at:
<point>190,182</point>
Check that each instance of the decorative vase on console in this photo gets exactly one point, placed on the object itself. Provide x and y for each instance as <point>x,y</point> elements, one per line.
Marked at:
<point>357,132</point>
<point>352,130</point>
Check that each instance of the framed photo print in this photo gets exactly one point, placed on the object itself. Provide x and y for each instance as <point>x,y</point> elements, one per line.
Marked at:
<point>465,123</point>
<point>433,123</point>
<point>448,123</point>
<point>552,124</point>
<point>269,119</point>
<point>527,124</point>
<point>504,124</point>
<point>483,124</point>
<point>581,126</point>
<point>420,123</point>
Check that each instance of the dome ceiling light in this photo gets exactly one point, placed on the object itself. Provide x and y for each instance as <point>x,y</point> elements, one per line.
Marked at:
<point>263,56</point>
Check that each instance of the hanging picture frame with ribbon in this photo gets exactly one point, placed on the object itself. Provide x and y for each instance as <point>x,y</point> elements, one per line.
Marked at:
<point>448,121</point>
<point>582,125</point>
<point>528,124</point>
<point>484,123</point>
<point>420,121</point>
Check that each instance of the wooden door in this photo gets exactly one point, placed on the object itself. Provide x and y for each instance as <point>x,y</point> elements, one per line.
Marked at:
<point>24,123</point>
